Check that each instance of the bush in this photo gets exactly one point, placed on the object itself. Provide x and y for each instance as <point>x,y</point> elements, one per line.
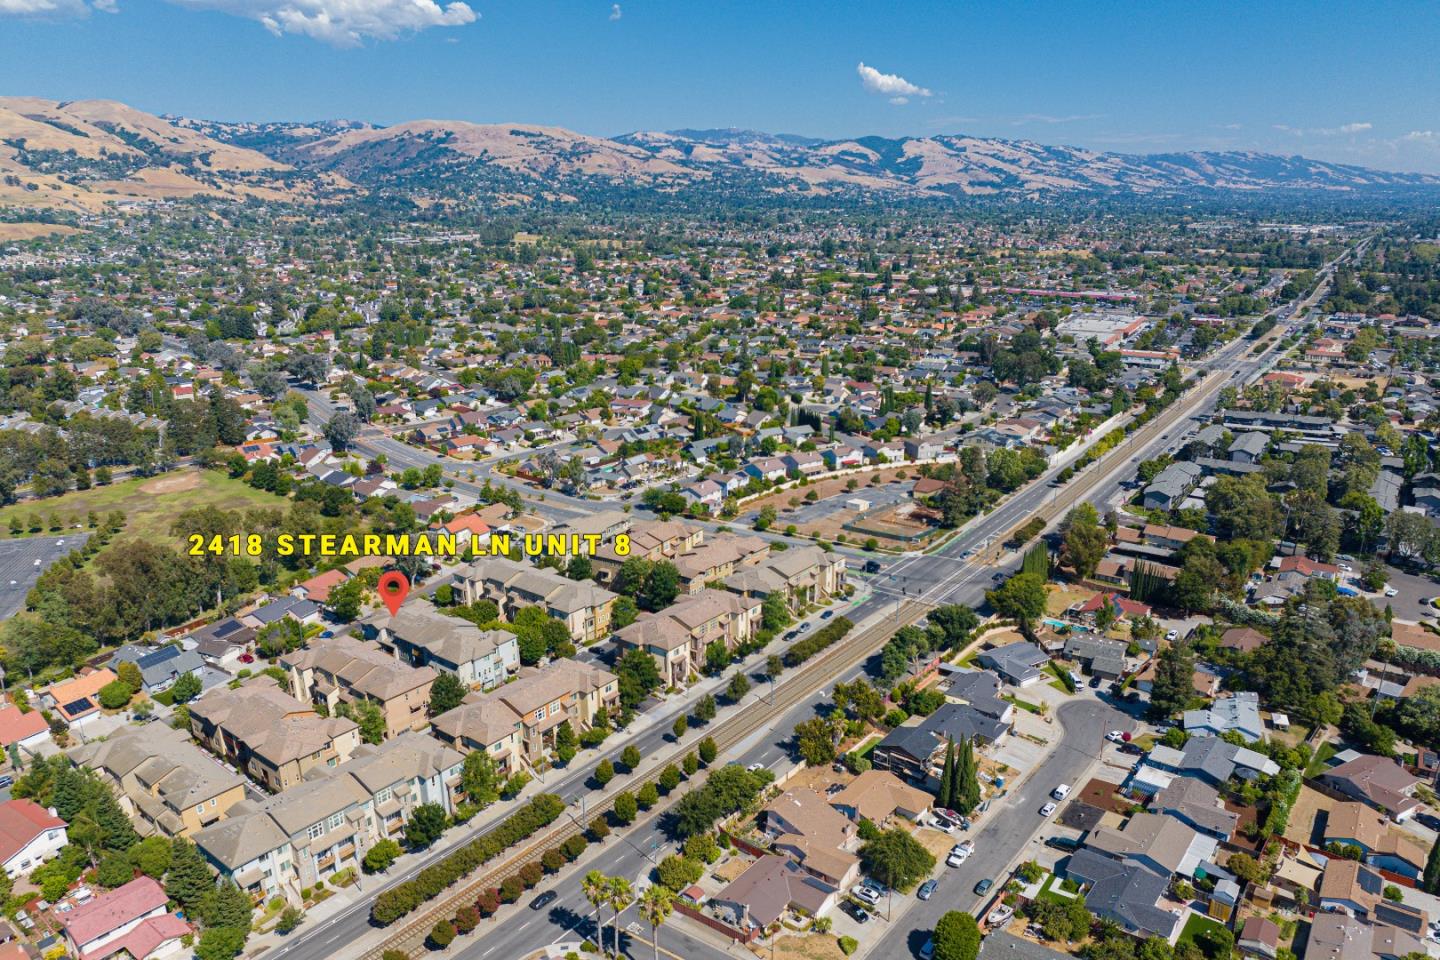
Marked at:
<point>553,859</point>
<point>574,846</point>
<point>530,874</point>
<point>848,945</point>
<point>467,919</point>
<point>805,648</point>
<point>290,918</point>
<point>381,856</point>
<point>396,902</point>
<point>442,934</point>
<point>510,889</point>
<point>599,830</point>
<point>677,873</point>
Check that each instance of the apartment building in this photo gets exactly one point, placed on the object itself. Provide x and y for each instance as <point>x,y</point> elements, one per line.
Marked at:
<point>582,606</point>
<point>346,670</point>
<point>326,823</point>
<point>163,781</point>
<point>268,734</point>
<point>714,560</point>
<point>421,636</point>
<point>515,724</point>
<point>802,575</point>
<point>678,636</point>
<point>650,540</point>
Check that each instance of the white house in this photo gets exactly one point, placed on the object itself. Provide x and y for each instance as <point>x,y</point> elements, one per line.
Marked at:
<point>29,835</point>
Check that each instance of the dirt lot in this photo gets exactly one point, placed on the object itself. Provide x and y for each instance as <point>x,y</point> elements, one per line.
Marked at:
<point>814,946</point>
<point>1302,815</point>
<point>823,489</point>
<point>938,842</point>
<point>1062,597</point>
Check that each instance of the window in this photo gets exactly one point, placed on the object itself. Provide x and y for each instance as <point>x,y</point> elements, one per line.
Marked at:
<point>540,714</point>
<point>336,820</point>
<point>382,795</point>
<point>316,831</point>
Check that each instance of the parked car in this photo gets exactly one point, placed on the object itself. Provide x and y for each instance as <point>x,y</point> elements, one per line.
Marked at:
<point>983,887</point>
<point>928,951</point>
<point>927,889</point>
<point>827,614</point>
<point>1115,736</point>
<point>1391,591</point>
<point>1061,792</point>
<point>1062,843</point>
<point>1170,635</point>
<point>957,856</point>
<point>856,912</point>
<point>804,627</point>
<point>1048,809</point>
<point>6,780</point>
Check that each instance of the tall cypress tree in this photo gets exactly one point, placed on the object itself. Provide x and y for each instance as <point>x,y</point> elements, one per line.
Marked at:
<point>188,880</point>
<point>110,818</point>
<point>1430,882</point>
<point>947,777</point>
<point>967,782</point>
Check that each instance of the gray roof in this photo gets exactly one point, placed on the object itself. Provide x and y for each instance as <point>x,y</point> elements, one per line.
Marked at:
<point>1000,945</point>
<point>1019,661</point>
<point>1125,893</point>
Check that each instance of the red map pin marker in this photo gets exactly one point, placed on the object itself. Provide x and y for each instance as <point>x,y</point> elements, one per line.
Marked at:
<point>394,587</point>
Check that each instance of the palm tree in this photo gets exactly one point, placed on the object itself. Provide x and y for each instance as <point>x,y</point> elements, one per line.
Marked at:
<point>620,896</point>
<point>596,887</point>
<point>656,903</point>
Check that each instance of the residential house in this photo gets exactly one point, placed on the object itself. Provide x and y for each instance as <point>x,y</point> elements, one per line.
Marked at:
<point>1378,781</point>
<point>1239,712</point>
<point>1124,892</point>
<point>1157,842</point>
<point>132,919</point>
<point>23,730</point>
<point>29,836</point>
<point>1354,889</point>
<point>878,795</point>
<point>1338,936</point>
<point>760,896</point>
<point>1356,825</point>
<point>804,827</point>
<point>1018,664</point>
<point>77,700</point>
<point>1198,805</point>
<point>160,667</point>
<point>802,575</point>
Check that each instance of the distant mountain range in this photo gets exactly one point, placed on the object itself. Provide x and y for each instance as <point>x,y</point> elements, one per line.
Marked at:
<point>84,154</point>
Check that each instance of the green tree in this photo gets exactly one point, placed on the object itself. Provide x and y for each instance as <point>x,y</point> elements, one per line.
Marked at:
<point>480,779</point>
<point>1430,882</point>
<point>604,772</point>
<point>680,726</point>
<point>1084,542</point>
<point>185,688</point>
<point>738,687</point>
<point>371,720</point>
<point>226,906</point>
<point>426,823</point>
<point>967,780</point>
<point>446,693</point>
<point>382,855</point>
<point>957,937</point>
<point>896,859</point>
<point>1021,598</point>
<point>345,600</point>
<point>221,943</point>
<point>129,674</point>
<point>189,878</point>
<point>625,807</point>
<point>705,709</point>
<point>1173,686</point>
<point>708,751</point>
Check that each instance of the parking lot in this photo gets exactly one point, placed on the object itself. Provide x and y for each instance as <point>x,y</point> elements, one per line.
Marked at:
<point>23,560</point>
<point>1410,592</point>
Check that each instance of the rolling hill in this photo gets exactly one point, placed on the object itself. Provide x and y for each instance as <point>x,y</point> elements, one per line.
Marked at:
<point>84,155</point>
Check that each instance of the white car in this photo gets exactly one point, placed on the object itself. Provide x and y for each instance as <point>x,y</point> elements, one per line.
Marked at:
<point>1048,809</point>
<point>958,855</point>
<point>1346,568</point>
<point>755,767</point>
<point>1061,792</point>
<point>1391,591</point>
<point>1115,736</point>
<point>1171,635</point>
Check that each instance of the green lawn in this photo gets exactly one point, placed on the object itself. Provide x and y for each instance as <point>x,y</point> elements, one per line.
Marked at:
<point>1321,758</point>
<point>1025,705</point>
<point>150,504</point>
<point>1195,926</point>
<point>1053,887</point>
<point>867,746</point>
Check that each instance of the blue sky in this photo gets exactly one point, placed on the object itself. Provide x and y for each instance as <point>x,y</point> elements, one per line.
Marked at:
<point>1350,82</point>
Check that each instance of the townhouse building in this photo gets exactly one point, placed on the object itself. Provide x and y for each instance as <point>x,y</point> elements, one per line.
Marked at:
<point>423,637</point>
<point>345,670</point>
<point>269,735</point>
<point>677,637</point>
<point>582,606</point>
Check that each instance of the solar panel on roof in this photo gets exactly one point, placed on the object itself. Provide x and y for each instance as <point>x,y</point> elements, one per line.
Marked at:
<point>227,628</point>
<point>78,706</point>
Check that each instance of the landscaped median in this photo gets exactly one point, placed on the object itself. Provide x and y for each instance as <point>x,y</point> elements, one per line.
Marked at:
<point>429,883</point>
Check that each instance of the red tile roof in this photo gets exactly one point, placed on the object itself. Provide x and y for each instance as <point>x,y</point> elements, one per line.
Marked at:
<point>16,725</point>
<point>21,821</point>
<point>113,910</point>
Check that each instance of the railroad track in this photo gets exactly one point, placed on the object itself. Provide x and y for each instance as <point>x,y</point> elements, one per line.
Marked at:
<point>826,666</point>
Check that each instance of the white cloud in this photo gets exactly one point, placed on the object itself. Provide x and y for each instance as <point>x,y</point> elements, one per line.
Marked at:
<point>1344,130</point>
<point>344,23</point>
<point>1422,136</point>
<point>1049,119</point>
<point>891,85</point>
<point>53,9</point>
<point>614,12</point>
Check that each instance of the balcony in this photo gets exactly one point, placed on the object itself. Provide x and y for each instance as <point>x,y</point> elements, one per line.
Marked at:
<point>325,863</point>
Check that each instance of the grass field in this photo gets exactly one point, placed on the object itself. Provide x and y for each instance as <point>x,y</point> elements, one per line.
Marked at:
<point>150,504</point>
<point>1196,926</point>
